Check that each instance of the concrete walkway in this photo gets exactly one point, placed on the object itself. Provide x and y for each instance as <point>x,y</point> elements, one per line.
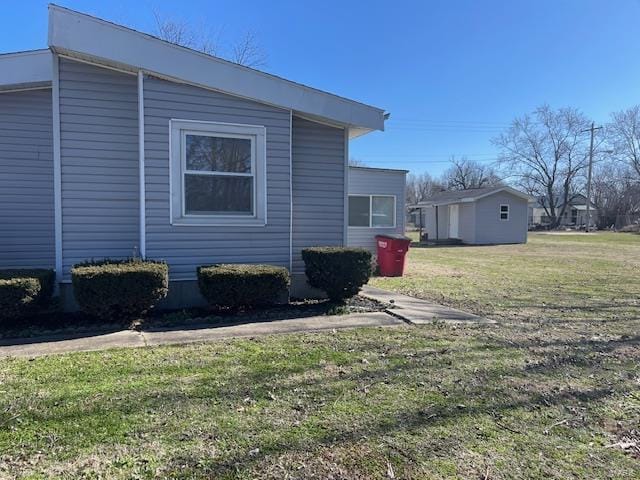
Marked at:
<point>130,338</point>
<point>417,311</point>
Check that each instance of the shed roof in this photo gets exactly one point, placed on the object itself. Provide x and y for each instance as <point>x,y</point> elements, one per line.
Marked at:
<point>469,195</point>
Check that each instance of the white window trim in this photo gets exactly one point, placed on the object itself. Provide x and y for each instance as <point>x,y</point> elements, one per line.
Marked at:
<point>178,129</point>
<point>508,212</point>
<point>370,227</point>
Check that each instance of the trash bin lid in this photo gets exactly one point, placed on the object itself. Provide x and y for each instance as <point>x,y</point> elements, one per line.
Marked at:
<point>392,236</point>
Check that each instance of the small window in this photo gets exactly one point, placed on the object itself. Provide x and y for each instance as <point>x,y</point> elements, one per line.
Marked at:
<point>359,211</point>
<point>504,212</point>
<point>372,211</point>
<point>382,211</point>
<point>217,174</point>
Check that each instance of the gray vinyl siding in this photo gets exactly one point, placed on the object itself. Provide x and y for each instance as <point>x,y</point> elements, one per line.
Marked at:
<point>26,180</point>
<point>99,163</point>
<point>187,247</point>
<point>489,227</point>
<point>318,187</point>
<point>376,182</point>
<point>467,226</point>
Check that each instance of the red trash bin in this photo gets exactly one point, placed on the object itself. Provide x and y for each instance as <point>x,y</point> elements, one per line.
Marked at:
<point>392,254</point>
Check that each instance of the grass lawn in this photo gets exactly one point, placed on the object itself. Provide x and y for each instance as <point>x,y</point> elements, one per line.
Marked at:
<point>551,392</point>
<point>552,277</point>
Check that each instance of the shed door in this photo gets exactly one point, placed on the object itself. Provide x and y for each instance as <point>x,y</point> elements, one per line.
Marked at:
<point>453,221</point>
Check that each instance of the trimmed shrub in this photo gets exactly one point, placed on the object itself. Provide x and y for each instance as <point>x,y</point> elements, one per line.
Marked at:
<point>238,285</point>
<point>338,271</point>
<point>119,289</point>
<point>24,291</point>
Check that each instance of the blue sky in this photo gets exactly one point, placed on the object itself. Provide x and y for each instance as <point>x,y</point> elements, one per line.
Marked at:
<point>452,73</point>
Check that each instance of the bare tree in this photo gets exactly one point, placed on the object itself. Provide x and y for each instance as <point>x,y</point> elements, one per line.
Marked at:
<point>464,174</point>
<point>616,194</point>
<point>356,162</point>
<point>547,152</point>
<point>421,187</point>
<point>623,133</point>
<point>246,51</point>
<point>182,33</point>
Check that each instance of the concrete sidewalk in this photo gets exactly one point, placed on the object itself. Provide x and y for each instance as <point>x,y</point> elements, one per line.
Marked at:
<point>418,311</point>
<point>130,338</point>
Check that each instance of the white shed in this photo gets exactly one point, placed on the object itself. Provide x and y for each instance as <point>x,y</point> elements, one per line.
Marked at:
<point>376,204</point>
<point>479,216</point>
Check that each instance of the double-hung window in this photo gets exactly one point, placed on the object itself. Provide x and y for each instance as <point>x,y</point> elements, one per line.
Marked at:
<point>217,174</point>
<point>372,211</point>
<point>504,212</point>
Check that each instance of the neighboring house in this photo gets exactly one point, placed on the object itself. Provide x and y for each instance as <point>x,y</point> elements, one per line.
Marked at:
<point>575,215</point>
<point>491,215</point>
<point>115,143</point>
<point>376,204</point>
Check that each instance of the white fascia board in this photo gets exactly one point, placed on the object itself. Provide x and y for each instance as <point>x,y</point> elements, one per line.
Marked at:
<point>72,32</point>
<point>25,68</point>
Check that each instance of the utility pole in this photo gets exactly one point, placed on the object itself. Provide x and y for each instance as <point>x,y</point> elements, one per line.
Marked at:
<point>592,130</point>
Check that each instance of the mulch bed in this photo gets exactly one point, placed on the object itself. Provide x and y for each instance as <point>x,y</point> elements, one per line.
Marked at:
<point>55,322</point>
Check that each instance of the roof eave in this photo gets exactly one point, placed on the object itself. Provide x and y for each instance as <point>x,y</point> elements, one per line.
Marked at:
<point>95,39</point>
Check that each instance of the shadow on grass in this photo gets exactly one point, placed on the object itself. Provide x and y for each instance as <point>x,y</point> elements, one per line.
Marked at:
<point>59,326</point>
<point>484,394</point>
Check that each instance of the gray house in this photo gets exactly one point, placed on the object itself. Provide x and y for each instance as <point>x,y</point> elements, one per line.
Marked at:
<point>114,143</point>
<point>575,213</point>
<point>376,204</point>
<point>491,215</point>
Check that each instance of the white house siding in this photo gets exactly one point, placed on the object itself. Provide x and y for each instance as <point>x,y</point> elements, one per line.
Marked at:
<point>99,163</point>
<point>26,180</point>
<point>187,247</point>
<point>364,181</point>
<point>318,187</point>
<point>442,232</point>
<point>489,227</point>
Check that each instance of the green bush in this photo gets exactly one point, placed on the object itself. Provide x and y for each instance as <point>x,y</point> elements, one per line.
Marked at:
<point>119,289</point>
<point>339,272</point>
<point>24,291</point>
<point>236,285</point>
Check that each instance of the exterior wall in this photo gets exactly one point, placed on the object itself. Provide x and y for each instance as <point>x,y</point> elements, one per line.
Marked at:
<point>443,222</point>
<point>187,247</point>
<point>489,227</point>
<point>376,182</point>
<point>318,167</point>
<point>536,215</point>
<point>467,226</point>
<point>26,180</point>
<point>99,163</point>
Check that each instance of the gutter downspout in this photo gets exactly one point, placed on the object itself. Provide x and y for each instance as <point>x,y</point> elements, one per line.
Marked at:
<point>141,169</point>
<point>437,224</point>
<point>57,168</point>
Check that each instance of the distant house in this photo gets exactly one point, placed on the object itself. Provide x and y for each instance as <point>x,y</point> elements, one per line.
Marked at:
<point>491,215</point>
<point>575,215</point>
<point>376,204</point>
<point>115,143</point>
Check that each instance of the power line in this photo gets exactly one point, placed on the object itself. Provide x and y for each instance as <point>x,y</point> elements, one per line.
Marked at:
<point>444,122</point>
<point>421,162</point>
<point>425,155</point>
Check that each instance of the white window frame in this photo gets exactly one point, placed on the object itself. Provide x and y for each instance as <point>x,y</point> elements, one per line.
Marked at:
<point>178,131</point>
<point>508,212</point>
<point>371,211</point>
